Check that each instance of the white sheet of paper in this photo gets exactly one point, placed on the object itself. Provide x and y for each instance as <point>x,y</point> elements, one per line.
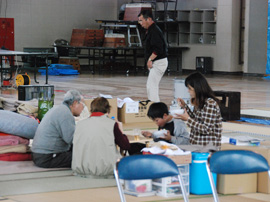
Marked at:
<point>158,150</point>
<point>105,96</point>
<point>132,107</point>
<point>121,102</point>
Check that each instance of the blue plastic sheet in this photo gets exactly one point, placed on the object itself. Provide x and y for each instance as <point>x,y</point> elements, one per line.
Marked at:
<point>257,121</point>
<point>59,69</point>
<point>266,77</point>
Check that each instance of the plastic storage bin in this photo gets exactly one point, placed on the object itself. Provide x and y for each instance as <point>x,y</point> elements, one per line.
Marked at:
<point>138,188</point>
<point>199,181</point>
<point>169,186</point>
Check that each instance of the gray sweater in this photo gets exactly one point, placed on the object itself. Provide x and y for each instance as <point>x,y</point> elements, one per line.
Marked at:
<point>55,132</point>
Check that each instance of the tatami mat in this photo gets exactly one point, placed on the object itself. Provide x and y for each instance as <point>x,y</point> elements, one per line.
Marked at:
<point>263,197</point>
<point>13,167</point>
<point>60,185</point>
<point>263,113</point>
<point>110,194</point>
<point>51,184</point>
<point>229,127</point>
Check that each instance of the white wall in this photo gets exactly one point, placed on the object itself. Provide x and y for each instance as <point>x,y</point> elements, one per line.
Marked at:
<point>255,55</point>
<point>38,23</point>
<point>228,34</point>
<point>226,51</point>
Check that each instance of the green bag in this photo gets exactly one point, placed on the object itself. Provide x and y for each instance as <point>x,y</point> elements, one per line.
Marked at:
<point>44,105</point>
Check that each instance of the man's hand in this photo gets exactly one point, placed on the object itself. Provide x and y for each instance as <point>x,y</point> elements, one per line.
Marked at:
<point>167,136</point>
<point>149,64</point>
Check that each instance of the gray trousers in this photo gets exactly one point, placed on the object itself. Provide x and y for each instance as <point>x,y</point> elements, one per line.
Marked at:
<point>60,160</point>
<point>154,77</point>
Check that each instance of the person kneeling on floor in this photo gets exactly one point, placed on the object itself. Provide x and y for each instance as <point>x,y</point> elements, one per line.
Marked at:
<point>95,140</point>
<point>52,143</point>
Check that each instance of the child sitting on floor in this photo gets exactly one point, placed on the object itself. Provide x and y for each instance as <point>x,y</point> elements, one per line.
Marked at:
<point>176,129</point>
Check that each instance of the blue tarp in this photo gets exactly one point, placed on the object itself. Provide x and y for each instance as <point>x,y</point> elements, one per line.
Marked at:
<point>59,69</point>
<point>258,121</point>
<point>266,77</point>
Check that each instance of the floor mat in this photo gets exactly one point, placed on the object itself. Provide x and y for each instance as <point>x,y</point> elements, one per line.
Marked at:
<point>13,167</point>
<point>51,184</point>
<point>110,194</point>
<point>251,129</point>
<point>256,113</point>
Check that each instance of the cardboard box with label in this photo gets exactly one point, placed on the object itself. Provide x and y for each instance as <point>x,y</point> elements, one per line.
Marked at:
<point>112,102</point>
<point>263,182</point>
<point>134,112</point>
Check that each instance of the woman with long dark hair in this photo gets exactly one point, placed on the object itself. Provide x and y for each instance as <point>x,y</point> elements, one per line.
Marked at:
<point>205,120</point>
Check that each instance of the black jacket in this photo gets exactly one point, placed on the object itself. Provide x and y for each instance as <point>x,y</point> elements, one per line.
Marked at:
<point>155,43</point>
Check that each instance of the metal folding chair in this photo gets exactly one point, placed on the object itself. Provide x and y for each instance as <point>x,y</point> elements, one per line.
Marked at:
<point>138,167</point>
<point>235,162</point>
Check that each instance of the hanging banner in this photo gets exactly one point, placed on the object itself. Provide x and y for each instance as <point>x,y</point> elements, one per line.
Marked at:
<point>268,41</point>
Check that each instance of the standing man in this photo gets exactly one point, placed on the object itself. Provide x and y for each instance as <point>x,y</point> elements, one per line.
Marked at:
<point>155,53</point>
<point>52,144</point>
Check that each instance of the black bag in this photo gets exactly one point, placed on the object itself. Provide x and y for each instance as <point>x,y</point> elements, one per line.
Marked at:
<point>135,148</point>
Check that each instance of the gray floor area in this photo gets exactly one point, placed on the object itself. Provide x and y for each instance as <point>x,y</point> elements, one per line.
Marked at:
<point>50,181</point>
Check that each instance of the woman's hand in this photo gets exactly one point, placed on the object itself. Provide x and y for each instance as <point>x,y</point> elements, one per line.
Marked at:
<point>183,117</point>
<point>146,134</point>
<point>181,102</point>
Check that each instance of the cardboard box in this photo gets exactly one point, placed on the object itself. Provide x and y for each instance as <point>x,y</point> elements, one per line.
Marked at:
<point>236,184</point>
<point>126,115</point>
<point>263,182</point>
<point>263,179</point>
<point>181,159</point>
<point>112,102</point>
<point>178,159</point>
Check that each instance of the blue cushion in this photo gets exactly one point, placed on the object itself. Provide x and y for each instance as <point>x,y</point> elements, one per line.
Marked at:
<point>138,167</point>
<point>17,124</point>
<point>237,162</point>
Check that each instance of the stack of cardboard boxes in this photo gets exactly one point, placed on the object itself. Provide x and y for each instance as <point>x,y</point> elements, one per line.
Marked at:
<point>247,183</point>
